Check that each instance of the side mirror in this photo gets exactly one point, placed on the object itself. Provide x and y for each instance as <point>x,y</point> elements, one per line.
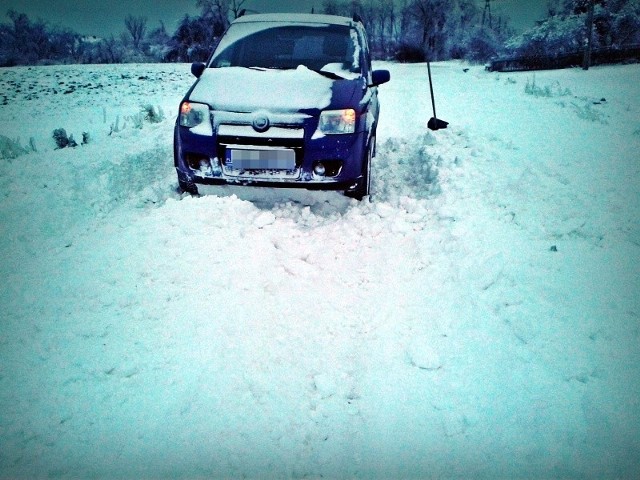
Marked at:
<point>197,69</point>
<point>379,77</point>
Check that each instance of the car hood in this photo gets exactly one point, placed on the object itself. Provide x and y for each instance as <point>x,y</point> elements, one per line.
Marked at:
<point>238,89</point>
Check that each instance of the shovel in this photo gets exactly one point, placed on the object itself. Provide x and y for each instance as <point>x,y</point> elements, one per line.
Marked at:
<point>434,123</point>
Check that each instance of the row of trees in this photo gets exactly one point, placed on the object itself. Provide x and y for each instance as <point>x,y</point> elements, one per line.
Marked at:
<point>426,29</point>
<point>27,42</point>
<point>407,30</point>
<point>31,42</point>
<point>402,29</point>
<point>616,24</point>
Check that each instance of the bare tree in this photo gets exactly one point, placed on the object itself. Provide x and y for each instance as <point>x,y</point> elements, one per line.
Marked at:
<point>137,28</point>
<point>27,40</point>
<point>213,8</point>
<point>236,7</point>
<point>387,24</point>
<point>331,7</point>
<point>586,61</point>
<point>430,19</point>
<point>221,8</point>
<point>110,50</point>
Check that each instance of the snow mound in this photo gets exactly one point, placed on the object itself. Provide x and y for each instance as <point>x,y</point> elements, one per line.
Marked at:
<point>478,318</point>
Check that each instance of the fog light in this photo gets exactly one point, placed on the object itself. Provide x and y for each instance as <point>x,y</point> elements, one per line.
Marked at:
<point>319,169</point>
<point>205,164</point>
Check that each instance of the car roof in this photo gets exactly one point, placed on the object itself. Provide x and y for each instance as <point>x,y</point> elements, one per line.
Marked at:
<point>296,18</point>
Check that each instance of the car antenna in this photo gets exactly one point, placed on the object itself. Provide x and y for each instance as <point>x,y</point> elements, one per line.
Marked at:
<point>434,123</point>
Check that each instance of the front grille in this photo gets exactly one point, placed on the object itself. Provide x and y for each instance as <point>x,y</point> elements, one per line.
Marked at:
<point>245,135</point>
<point>261,142</point>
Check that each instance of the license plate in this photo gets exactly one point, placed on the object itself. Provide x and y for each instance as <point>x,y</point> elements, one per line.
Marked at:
<point>271,159</point>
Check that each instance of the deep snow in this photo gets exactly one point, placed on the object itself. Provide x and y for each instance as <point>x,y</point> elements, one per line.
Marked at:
<point>479,319</point>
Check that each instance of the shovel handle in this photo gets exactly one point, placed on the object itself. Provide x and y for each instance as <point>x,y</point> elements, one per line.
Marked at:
<point>433,100</point>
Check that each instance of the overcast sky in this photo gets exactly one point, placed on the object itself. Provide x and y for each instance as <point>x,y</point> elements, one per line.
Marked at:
<point>104,17</point>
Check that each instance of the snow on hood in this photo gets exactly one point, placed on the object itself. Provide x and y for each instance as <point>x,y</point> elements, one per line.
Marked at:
<point>240,89</point>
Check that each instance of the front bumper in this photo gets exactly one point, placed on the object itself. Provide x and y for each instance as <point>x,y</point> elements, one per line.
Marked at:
<point>203,159</point>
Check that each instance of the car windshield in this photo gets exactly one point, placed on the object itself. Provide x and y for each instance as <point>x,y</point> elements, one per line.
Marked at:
<point>319,47</point>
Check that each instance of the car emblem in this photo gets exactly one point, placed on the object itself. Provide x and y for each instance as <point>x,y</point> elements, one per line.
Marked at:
<point>261,123</point>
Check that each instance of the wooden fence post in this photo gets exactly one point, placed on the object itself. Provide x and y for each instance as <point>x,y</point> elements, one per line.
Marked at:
<point>586,61</point>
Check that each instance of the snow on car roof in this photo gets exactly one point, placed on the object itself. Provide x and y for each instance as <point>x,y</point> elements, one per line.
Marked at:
<point>296,17</point>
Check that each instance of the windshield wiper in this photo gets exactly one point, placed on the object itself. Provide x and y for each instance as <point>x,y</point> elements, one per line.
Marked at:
<point>324,73</point>
<point>265,69</point>
<point>331,75</point>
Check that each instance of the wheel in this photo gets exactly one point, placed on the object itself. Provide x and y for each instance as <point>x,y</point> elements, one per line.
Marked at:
<point>189,188</point>
<point>364,184</point>
<point>186,186</point>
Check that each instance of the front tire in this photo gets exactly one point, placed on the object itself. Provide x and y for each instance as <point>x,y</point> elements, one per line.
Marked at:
<point>363,188</point>
<point>187,187</point>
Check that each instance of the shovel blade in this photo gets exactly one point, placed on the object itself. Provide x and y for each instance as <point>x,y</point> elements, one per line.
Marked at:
<point>436,124</point>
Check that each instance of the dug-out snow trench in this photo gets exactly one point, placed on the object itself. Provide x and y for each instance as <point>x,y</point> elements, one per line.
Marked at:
<point>400,169</point>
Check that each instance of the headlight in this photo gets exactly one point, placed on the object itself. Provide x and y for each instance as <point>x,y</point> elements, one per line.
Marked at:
<point>338,121</point>
<point>196,117</point>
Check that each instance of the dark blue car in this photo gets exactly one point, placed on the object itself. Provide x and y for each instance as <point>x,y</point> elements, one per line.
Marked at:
<point>286,100</point>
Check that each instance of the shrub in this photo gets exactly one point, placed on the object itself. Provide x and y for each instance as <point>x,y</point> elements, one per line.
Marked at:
<point>62,140</point>
<point>548,91</point>
<point>151,115</point>
<point>410,53</point>
<point>482,44</point>
<point>555,36</point>
<point>11,148</point>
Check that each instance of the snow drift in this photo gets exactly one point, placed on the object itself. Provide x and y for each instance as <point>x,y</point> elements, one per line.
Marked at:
<point>479,319</point>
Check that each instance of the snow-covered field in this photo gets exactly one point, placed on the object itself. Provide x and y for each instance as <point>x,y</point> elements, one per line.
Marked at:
<point>480,318</point>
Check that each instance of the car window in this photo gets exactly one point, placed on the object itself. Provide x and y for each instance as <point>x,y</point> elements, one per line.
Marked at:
<point>282,46</point>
